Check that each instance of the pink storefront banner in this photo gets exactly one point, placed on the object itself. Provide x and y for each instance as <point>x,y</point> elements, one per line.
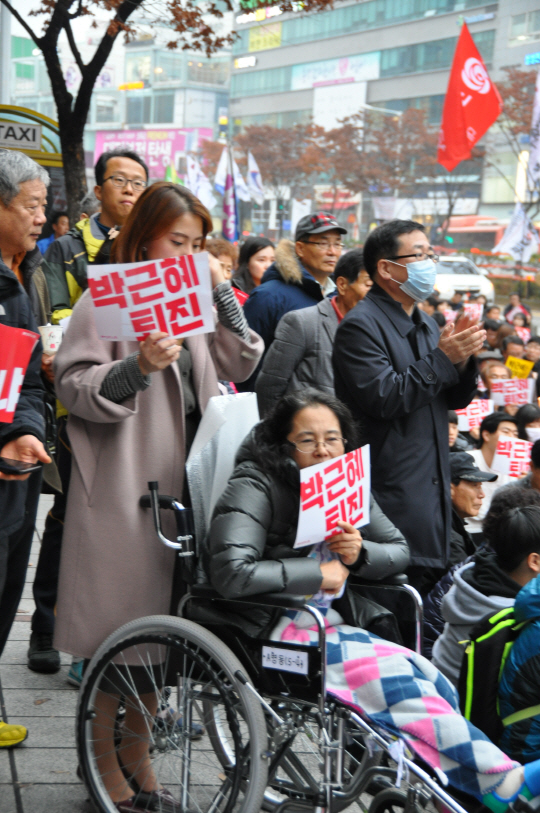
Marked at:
<point>159,148</point>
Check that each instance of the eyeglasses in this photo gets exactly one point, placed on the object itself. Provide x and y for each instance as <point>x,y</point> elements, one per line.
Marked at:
<point>310,446</point>
<point>420,256</point>
<point>119,182</point>
<point>323,245</point>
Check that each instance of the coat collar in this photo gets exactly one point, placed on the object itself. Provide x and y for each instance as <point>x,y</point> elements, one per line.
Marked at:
<point>393,310</point>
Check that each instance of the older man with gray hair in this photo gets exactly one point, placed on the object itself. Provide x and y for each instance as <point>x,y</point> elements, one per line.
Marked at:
<point>23,194</point>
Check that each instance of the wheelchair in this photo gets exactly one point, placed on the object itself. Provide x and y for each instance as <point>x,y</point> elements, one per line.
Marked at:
<point>236,724</point>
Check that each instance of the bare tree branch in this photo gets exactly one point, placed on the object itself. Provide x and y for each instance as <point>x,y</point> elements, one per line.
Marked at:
<point>20,20</point>
<point>72,44</point>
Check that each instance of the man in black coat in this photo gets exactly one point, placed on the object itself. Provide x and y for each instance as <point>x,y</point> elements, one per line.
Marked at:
<point>23,194</point>
<point>400,376</point>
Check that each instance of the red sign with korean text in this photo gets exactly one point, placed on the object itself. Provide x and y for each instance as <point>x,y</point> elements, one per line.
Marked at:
<point>513,391</point>
<point>473,310</point>
<point>16,348</point>
<point>132,300</point>
<point>337,489</point>
<point>512,457</point>
<point>474,414</point>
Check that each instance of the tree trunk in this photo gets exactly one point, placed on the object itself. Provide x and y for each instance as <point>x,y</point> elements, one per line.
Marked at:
<point>74,171</point>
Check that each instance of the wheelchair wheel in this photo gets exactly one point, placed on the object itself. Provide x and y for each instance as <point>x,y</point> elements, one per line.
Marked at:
<point>296,761</point>
<point>395,801</point>
<point>140,706</point>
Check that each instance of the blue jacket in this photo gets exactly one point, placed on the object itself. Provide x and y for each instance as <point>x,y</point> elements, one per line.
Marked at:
<point>399,385</point>
<point>520,683</point>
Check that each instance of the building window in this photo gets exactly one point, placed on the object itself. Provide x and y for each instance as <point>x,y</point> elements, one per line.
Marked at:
<point>169,67</point>
<point>430,56</point>
<point>208,72</point>
<point>138,67</point>
<point>138,109</point>
<point>105,110</point>
<point>524,28</point>
<point>274,80</point>
<point>163,108</point>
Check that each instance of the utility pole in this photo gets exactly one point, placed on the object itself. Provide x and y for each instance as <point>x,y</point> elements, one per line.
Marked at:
<point>5,55</point>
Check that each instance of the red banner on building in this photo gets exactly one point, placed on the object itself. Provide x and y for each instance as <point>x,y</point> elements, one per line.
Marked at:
<point>471,105</point>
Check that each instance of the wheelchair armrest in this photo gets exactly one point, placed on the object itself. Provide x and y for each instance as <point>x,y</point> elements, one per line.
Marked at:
<point>396,580</point>
<point>164,501</point>
<point>282,600</point>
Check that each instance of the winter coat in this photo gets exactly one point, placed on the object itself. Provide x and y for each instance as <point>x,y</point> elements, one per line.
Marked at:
<point>400,386</point>
<point>433,619</point>
<point>249,546</point>
<point>519,687</point>
<point>285,286</point>
<point>300,355</point>
<point>479,588</point>
<point>65,265</point>
<point>35,285</point>
<point>16,311</point>
<point>113,567</point>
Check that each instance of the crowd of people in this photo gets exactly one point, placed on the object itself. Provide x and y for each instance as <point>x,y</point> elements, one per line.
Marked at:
<point>342,348</point>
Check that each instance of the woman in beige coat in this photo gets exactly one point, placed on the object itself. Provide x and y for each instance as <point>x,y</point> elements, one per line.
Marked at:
<point>134,410</point>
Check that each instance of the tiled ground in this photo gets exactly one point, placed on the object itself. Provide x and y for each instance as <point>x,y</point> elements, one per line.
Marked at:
<point>39,776</point>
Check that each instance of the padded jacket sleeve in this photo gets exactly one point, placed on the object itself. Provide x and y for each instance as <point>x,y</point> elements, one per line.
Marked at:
<point>384,548</point>
<point>237,540</point>
<point>285,354</point>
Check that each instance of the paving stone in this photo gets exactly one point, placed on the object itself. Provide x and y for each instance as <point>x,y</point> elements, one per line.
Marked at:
<point>52,766</point>
<point>26,702</point>
<point>7,799</point>
<point>49,732</point>
<point>15,652</point>
<point>15,677</point>
<point>21,632</point>
<point>5,770</point>
<point>41,798</point>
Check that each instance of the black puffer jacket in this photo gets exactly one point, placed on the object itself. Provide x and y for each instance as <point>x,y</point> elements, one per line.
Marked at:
<point>249,548</point>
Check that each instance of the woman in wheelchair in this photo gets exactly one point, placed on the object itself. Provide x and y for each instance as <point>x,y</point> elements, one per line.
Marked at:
<point>250,551</point>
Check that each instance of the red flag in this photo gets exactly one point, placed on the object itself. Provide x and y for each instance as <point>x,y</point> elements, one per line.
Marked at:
<point>16,348</point>
<point>471,105</point>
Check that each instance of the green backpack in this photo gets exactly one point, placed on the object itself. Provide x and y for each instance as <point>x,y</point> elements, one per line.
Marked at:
<point>487,650</point>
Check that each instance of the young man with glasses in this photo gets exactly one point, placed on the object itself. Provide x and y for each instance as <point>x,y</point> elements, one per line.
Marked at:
<point>399,375</point>
<point>121,178</point>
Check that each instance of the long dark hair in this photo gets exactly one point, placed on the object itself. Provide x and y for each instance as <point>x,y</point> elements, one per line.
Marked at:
<point>526,414</point>
<point>242,279</point>
<point>271,447</point>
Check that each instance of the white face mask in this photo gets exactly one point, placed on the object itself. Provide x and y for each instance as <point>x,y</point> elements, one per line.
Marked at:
<point>533,433</point>
<point>420,279</point>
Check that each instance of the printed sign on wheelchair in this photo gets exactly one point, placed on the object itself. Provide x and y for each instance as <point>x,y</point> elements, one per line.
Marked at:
<point>173,296</point>
<point>335,490</point>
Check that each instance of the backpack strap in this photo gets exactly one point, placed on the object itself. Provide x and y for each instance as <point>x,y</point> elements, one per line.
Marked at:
<point>518,716</point>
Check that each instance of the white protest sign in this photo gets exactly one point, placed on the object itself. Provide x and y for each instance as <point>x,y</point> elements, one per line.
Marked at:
<point>337,489</point>
<point>474,414</point>
<point>133,299</point>
<point>512,456</point>
<point>513,391</point>
<point>450,315</point>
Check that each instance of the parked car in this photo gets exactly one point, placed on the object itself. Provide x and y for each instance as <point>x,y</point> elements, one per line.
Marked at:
<point>461,275</point>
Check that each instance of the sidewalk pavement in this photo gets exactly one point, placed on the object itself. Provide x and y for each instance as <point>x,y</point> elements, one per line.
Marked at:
<point>40,775</point>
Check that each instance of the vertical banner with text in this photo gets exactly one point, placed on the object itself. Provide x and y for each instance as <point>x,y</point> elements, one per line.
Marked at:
<point>16,348</point>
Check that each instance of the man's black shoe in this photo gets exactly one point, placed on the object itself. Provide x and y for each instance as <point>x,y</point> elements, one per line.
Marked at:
<point>42,657</point>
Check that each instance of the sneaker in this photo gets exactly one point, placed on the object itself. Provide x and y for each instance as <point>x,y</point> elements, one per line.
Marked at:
<point>42,657</point>
<point>12,735</point>
<point>75,674</point>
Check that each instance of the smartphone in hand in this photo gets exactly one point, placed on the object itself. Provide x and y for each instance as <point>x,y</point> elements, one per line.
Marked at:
<point>10,466</point>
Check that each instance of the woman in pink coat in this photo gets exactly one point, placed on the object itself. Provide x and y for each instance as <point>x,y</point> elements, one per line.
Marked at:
<point>134,410</point>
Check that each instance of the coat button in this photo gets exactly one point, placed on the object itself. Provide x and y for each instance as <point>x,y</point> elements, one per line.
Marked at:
<point>435,481</point>
<point>430,376</point>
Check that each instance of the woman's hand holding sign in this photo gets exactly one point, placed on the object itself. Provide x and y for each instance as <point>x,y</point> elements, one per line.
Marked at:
<point>157,352</point>
<point>347,544</point>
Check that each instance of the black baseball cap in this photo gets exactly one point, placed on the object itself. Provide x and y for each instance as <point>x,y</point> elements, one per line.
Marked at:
<point>463,467</point>
<point>317,223</point>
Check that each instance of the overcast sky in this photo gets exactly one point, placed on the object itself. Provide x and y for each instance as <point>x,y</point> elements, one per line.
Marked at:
<point>80,27</point>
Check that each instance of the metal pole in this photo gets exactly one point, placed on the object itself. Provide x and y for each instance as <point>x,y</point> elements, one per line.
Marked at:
<point>5,55</point>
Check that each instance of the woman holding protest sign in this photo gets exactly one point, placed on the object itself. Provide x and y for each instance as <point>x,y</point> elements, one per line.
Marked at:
<point>250,551</point>
<point>134,409</point>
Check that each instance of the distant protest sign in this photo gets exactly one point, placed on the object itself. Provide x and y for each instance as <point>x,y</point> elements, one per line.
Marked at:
<point>512,456</point>
<point>337,489</point>
<point>132,300</point>
<point>473,415</point>
<point>513,391</point>
<point>520,368</point>
<point>473,310</point>
<point>16,348</point>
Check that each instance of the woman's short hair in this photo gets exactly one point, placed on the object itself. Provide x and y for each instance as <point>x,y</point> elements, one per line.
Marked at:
<point>272,445</point>
<point>153,215</point>
<point>525,415</point>
<point>218,246</point>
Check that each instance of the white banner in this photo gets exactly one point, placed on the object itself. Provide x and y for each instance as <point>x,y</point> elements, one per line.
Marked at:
<point>520,239</point>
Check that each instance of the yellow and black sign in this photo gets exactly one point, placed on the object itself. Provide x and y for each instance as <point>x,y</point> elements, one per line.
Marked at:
<point>32,133</point>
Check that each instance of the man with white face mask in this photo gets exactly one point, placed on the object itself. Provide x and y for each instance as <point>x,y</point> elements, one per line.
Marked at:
<point>493,427</point>
<point>400,376</point>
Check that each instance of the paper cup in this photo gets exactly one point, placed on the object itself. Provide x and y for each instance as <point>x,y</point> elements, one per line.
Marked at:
<point>51,336</point>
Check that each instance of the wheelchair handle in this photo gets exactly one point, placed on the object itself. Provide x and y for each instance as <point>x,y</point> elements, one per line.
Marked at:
<point>155,501</point>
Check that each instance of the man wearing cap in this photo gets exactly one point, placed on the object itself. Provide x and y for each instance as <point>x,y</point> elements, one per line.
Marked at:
<point>467,495</point>
<point>299,277</point>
